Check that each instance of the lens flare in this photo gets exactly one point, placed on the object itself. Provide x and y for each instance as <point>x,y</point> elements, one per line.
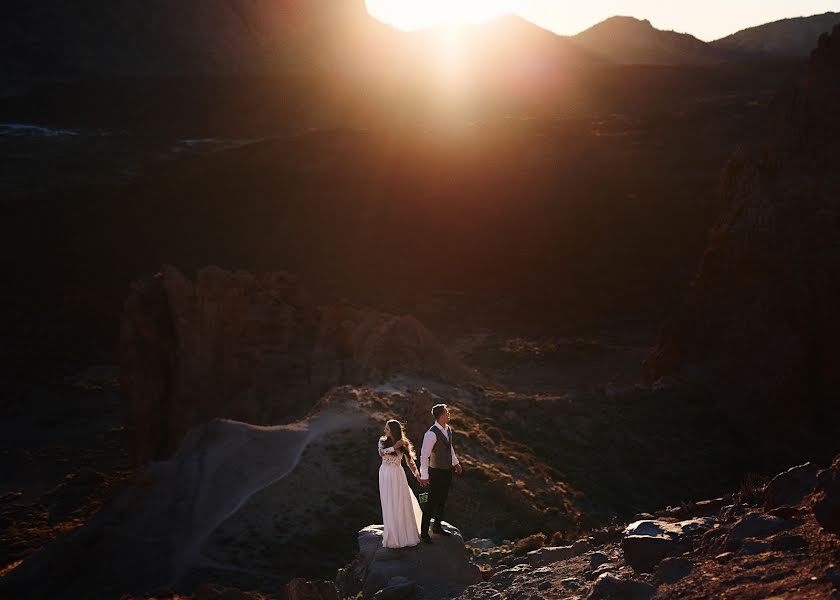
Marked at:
<point>419,14</point>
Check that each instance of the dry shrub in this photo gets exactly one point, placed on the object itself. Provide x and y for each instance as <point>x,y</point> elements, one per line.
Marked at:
<point>557,539</point>
<point>532,542</point>
<point>751,491</point>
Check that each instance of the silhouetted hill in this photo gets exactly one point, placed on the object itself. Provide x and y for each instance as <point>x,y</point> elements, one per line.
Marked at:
<point>50,38</point>
<point>785,38</point>
<point>626,40</point>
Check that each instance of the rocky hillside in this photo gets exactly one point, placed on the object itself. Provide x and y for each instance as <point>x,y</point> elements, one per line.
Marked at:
<point>792,38</point>
<point>760,323</point>
<point>780,540</point>
<point>49,38</point>
<point>162,524</point>
<point>253,506</point>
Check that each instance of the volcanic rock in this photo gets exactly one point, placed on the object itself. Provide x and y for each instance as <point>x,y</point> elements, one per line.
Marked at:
<point>251,348</point>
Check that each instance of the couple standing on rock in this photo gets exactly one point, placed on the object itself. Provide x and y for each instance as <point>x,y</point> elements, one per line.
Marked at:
<point>405,523</point>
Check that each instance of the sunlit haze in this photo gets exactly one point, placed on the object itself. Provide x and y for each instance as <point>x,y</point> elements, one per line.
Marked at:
<point>708,20</point>
<point>410,14</point>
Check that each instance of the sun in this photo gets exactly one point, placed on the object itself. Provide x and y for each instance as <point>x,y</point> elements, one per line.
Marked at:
<point>419,14</point>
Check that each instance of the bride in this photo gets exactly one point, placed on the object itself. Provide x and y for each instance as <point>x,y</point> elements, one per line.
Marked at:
<point>401,512</point>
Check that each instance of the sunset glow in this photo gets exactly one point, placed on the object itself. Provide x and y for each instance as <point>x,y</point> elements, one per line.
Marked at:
<point>707,20</point>
<point>410,14</point>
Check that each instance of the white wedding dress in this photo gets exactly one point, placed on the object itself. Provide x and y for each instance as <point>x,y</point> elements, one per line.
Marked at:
<point>401,514</point>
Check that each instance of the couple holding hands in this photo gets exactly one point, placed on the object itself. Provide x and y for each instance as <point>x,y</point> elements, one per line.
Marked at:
<point>405,522</point>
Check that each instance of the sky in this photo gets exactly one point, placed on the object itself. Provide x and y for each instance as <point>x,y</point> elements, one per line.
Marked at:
<point>705,19</point>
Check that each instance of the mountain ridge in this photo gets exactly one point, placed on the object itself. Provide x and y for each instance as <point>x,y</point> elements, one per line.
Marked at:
<point>793,37</point>
<point>48,40</point>
<point>628,40</point>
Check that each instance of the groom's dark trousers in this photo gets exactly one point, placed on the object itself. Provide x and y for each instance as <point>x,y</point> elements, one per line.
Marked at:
<point>439,482</point>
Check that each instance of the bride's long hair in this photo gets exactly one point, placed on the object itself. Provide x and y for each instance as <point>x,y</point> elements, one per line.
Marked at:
<point>397,434</point>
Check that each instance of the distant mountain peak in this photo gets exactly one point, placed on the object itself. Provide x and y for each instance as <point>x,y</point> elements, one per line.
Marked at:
<point>790,38</point>
<point>620,25</point>
<point>622,20</point>
<point>628,40</point>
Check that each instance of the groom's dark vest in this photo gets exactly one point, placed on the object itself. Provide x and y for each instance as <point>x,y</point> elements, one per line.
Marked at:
<point>441,457</point>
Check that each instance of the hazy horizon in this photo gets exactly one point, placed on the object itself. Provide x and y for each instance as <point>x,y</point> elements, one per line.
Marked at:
<point>707,21</point>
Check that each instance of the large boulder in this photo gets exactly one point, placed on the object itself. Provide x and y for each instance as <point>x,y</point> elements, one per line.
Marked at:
<point>438,570</point>
<point>253,348</point>
<point>612,587</point>
<point>673,569</point>
<point>749,531</point>
<point>791,486</point>
<point>551,554</point>
<point>760,323</point>
<point>647,542</point>
<point>643,552</point>
<point>827,497</point>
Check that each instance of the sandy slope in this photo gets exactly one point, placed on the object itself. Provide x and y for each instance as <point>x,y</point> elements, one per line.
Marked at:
<point>152,532</point>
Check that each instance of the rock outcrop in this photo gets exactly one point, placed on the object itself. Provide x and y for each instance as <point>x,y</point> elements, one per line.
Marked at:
<point>791,486</point>
<point>760,324</point>
<point>427,571</point>
<point>647,542</point>
<point>827,498</point>
<point>251,348</point>
<point>227,345</point>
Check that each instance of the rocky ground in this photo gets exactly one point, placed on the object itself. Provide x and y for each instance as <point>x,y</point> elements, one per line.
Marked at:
<point>62,457</point>
<point>778,540</point>
<point>550,449</point>
<point>774,541</point>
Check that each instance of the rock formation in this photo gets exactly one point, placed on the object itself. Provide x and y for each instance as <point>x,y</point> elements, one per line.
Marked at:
<point>227,345</point>
<point>791,486</point>
<point>647,542</point>
<point>827,498</point>
<point>251,348</point>
<point>439,570</point>
<point>760,324</point>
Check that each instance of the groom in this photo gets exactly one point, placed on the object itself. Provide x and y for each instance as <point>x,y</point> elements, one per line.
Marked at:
<point>437,460</point>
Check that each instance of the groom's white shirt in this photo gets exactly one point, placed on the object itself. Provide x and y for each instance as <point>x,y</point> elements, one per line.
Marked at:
<point>426,451</point>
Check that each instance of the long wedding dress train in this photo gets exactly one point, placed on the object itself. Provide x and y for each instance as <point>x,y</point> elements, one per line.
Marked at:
<point>401,514</point>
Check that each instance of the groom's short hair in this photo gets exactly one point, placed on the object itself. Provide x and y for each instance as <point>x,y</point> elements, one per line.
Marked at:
<point>437,410</point>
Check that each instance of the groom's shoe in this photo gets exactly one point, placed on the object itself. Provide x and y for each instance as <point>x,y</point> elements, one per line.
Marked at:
<point>440,530</point>
<point>426,539</point>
